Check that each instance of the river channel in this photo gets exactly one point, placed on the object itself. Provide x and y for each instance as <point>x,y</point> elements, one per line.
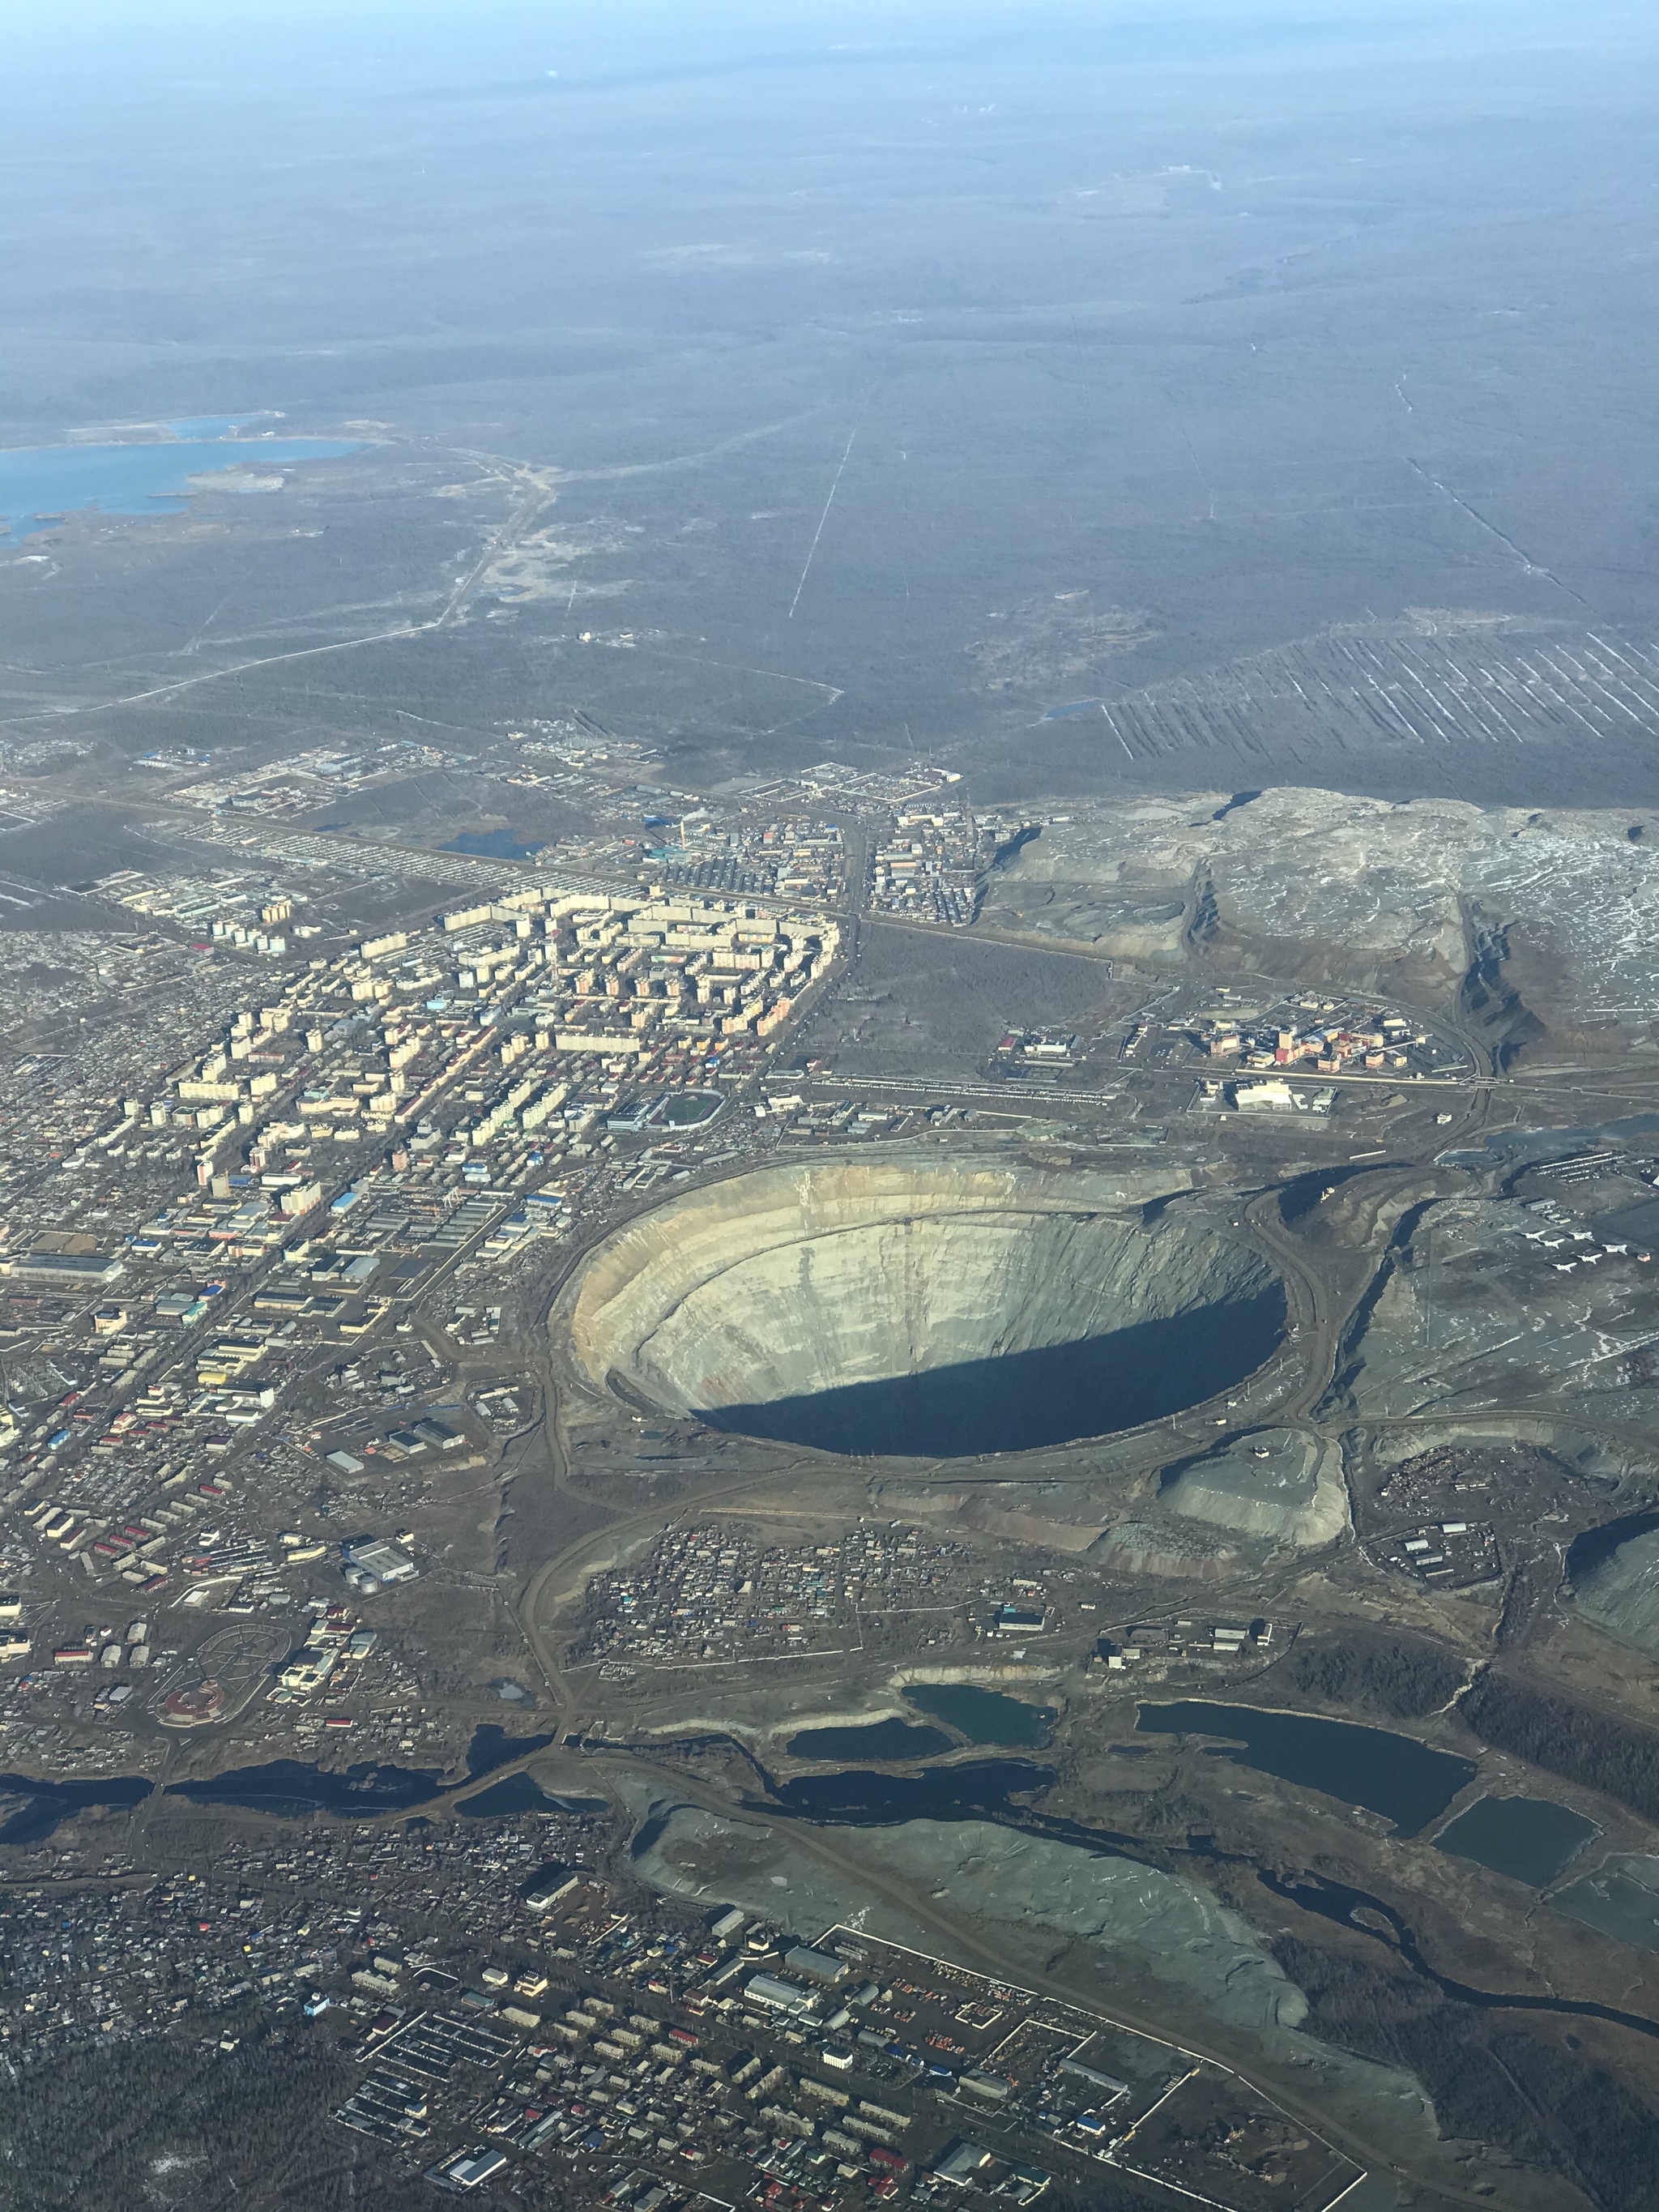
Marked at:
<point>978,1790</point>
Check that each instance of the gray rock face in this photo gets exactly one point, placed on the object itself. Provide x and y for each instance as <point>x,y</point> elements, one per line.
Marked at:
<point>1179,1549</point>
<point>1280,1484</point>
<point>788,1286</point>
<point>1335,888</point>
<point>1621,1595</point>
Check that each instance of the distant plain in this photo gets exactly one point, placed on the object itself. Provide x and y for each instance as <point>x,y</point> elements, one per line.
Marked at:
<point>878,393</point>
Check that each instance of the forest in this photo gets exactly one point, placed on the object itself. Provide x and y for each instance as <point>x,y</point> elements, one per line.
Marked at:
<point>1594,1749</point>
<point>1398,1677</point>
<point>1489,2081</point>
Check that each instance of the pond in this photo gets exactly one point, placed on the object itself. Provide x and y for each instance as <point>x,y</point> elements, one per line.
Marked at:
<point>979,1788</point>
<point>1393,1775</point>
<point>516,1793</point>
<point>50,1802</point>
<point>290,1788</point>
<point>493,845</point>
<point>888,1739</point>
<point>983,1716</point>
<point>1620,1900</point>
<point>492,1747</point>
<point>1530,1839</point>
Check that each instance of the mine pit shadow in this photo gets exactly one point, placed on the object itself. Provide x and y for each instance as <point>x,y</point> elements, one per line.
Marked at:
<point>1024,1401</point>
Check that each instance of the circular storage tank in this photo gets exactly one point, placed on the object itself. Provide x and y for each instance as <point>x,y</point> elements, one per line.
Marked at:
<point>918,1310</point>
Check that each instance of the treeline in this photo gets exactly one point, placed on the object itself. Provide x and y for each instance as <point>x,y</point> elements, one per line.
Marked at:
<point>1489,2082</point>
<point>1402,1677</point>
<point>1594,1749</point>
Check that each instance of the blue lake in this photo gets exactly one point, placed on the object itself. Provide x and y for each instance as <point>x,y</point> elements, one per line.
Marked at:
<point>1531,1839</point>
<point>982,1716</point>
<point>1406,1781</point>
<point>144,480</point>
<point>889,1739</point>
<point>491,845</point>
<point>515,1792</point>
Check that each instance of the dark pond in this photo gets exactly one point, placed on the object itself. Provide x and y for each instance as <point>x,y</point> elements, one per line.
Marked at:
<point>889,1739</point>
<point>492,1747</point>
<point>982,1787</point>
<point>1597,1545</point>
<point>1392,1775</point>
<point>517,1793</point>
<point>983,1716</point>
<point>288,1788</point>
<point>1026,1400</point>
<point>1530,1839</point>
<point>51,1802</point>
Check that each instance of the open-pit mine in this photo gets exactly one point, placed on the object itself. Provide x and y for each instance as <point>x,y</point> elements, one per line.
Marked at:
<point>922,1311</point>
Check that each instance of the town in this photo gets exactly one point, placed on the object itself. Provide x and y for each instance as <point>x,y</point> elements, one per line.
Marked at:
<point>505,2011</point>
